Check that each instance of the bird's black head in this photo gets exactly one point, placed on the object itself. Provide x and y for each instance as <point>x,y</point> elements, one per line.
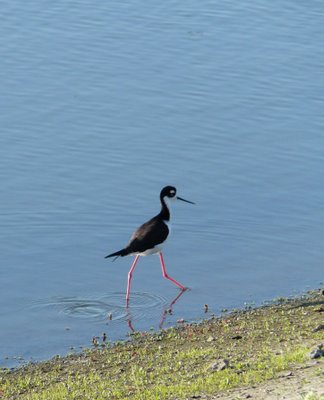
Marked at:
<point>168,191</point>
<point>171,193</point>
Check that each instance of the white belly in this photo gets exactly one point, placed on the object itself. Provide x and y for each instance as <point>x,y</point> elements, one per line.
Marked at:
<point>154,250</point>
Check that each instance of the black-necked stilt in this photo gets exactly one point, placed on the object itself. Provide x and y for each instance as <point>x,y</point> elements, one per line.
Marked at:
<point>150,237</point>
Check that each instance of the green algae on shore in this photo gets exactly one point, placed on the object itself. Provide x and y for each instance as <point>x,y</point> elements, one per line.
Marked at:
<point>238,349</point>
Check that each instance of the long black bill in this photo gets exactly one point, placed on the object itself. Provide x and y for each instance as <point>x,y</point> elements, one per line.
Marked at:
<point>187,201</point>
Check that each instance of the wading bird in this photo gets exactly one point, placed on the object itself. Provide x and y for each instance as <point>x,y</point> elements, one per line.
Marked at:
<point>150,237</point>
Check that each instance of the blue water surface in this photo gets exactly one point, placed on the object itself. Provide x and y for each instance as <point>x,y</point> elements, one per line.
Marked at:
<point>103,104</point>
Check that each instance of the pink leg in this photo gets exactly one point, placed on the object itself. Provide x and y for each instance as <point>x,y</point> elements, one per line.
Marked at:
<point>165,275</point>
<point>130,273</point>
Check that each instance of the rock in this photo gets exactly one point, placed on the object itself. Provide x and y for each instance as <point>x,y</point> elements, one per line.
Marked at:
<point>219,365</point>
<point>287,374</point>
<point>237,337</point>
<point>319,328</point>
<point>317,353</point>
<point>211,339</point>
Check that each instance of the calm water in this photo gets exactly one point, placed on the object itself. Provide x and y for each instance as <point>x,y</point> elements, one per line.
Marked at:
<point>103,105</point>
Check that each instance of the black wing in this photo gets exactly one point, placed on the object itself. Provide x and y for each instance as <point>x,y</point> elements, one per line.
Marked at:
<point>148,235</point>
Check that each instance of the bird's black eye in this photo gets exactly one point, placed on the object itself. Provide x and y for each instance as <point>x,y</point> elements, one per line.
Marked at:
<point>172,193</point>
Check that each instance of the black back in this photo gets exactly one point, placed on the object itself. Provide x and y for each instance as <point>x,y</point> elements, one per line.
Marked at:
<point>148,235</point>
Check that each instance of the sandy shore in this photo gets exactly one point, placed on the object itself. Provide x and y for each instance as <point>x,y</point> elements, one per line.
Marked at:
<point>258,353</point>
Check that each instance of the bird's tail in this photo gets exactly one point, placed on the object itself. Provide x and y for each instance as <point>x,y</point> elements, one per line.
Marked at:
<point>120,253</point>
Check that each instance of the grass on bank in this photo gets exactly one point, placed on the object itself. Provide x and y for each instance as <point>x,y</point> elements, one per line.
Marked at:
<point>313,396</point>
<point>181,362</point>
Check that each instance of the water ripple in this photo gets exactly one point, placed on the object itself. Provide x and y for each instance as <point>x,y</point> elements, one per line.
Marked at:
<point>110,306</point>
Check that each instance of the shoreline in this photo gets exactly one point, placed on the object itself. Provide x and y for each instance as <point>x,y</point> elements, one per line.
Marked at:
<point>260,353</point>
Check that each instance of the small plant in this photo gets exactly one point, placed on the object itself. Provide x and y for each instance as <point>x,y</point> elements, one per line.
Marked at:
<point>313,396</point>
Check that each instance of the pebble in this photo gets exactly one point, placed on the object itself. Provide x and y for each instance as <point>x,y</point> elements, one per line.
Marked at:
<point>317,353</point>
<point>319,328</point>
<point>287,374</point>
<point>219,365</point>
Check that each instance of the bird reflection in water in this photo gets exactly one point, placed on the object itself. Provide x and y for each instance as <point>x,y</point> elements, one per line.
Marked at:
<point>166,311</point>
